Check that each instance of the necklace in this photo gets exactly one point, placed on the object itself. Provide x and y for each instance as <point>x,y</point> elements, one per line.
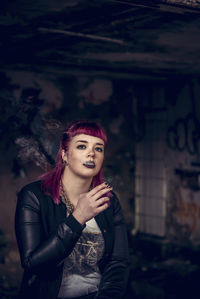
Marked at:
<point>65,199</point>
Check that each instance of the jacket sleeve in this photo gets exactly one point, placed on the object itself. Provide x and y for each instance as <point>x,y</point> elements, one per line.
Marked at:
<point>36,252</point>
<point>116,272</point>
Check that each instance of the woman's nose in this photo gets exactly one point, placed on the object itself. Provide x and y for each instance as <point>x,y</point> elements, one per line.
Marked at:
<point>91,153</point>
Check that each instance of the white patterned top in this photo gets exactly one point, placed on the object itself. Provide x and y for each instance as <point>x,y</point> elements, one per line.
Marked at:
<point>81,274</point>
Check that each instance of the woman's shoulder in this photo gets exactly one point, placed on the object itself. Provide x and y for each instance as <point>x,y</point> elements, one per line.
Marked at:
<point>35,186</point>
<point>31,193</point>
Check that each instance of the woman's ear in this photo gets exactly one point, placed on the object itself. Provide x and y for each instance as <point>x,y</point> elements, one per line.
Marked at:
<point>64,156</point>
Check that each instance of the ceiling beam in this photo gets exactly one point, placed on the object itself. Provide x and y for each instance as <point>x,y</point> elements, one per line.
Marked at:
<point>173,6</point>
<point>82,35</point>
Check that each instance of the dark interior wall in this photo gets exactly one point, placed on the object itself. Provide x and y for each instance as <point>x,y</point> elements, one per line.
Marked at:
<point>168,160</point>
<point>35,108</point>
<point>183,167</point>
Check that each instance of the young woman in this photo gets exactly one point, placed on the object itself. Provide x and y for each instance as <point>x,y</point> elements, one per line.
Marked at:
<point>69,225</point>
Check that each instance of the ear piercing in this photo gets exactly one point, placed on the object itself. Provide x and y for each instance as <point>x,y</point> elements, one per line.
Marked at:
<point>65,163</point>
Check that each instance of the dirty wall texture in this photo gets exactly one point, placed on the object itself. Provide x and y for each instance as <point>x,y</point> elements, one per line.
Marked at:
<point>34,110</point>
<point>183,166</point>
<point>152,158</point>
<point>167,176</point>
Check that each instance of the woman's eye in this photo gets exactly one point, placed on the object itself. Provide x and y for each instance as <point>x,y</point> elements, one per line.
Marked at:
<point>81,146</point>
<point>99,149</point>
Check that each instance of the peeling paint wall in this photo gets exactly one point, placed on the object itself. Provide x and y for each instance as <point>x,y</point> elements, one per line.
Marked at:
<point>167,174</point>
<point>183,221</point>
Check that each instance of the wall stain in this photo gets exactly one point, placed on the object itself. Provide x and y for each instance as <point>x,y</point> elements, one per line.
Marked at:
<point>187,212</point>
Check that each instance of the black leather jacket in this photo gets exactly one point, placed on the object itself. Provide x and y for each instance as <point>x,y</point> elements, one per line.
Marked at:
<point>46,236</point>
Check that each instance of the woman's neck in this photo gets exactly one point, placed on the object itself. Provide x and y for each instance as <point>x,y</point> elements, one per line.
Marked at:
<point>74,186</point>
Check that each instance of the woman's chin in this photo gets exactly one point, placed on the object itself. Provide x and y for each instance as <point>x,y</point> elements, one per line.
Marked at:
<point>89,173</point>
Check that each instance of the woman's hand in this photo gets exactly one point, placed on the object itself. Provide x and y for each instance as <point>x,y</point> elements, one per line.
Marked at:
<point>92,203</point>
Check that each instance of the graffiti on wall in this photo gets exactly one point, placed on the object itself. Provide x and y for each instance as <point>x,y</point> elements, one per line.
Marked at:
<point>185,135</point>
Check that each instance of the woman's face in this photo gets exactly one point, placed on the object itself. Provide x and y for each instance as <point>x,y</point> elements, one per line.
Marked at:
<point>85,155</point>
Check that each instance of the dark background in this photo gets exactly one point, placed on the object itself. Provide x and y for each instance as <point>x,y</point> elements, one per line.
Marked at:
<point>134,67</point>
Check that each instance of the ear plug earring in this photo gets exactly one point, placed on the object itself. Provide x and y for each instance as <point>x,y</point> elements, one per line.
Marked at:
<point>65,163</point>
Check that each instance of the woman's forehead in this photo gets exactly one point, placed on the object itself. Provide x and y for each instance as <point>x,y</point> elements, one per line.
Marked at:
<point>87,139</point>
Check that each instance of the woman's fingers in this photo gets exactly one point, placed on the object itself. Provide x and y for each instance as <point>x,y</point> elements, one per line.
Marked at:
<point>102,207</point>
<point>98,188</point>
<point>100,191</point>
<point>101,201</point>
<point>92,203</point>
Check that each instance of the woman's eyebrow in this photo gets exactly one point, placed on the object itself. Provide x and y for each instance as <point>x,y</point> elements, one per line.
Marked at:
<point>81,141</point>
<point>84,141</point>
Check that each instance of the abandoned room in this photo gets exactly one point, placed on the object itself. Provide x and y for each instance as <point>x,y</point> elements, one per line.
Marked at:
<point>134,67</point>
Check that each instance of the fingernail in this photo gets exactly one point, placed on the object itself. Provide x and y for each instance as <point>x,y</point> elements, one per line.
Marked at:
<point>107,185</point>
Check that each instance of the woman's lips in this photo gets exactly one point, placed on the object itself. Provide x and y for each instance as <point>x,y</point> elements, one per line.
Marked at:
<point>89,164</point>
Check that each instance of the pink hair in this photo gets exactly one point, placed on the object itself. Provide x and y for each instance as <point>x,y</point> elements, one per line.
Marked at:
<point>51,179</point>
